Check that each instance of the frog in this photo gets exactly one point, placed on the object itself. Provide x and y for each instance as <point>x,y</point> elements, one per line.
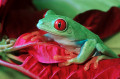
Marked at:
<point>74,37</point>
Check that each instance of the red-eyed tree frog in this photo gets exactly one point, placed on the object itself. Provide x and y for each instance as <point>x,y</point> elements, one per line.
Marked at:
<point>74,37</point>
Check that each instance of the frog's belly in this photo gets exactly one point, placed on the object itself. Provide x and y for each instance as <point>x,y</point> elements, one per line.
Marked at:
<point>66,43</point>
<point>72,49</point>
<point>70,46</point>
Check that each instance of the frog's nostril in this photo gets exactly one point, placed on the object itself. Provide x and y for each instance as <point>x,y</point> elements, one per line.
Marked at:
<point>40,22</point>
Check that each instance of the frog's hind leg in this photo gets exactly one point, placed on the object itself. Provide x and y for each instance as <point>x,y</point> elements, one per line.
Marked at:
<point>106,53</point>
<point>95,61</point>
<point>85,53</point>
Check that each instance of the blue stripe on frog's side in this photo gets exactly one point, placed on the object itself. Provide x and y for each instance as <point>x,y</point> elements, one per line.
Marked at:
<point>81,42</point>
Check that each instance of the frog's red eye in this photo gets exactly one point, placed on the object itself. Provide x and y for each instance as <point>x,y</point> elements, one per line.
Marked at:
<point>60,24</point>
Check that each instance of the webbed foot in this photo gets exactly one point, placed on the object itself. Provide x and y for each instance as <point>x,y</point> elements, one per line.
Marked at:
<point>95,61</point>
<point>69,58</point>
<point>34,36</point>
<point>68,62</point>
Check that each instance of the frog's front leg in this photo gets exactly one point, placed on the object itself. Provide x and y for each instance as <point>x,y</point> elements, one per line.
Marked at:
<point>86,51</point>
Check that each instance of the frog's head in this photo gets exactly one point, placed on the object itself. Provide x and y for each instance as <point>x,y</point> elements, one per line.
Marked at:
<point>57,24</point>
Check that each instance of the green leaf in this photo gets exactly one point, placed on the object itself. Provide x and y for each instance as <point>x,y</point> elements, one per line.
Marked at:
<point>7,73</point>
<point>114,43</point>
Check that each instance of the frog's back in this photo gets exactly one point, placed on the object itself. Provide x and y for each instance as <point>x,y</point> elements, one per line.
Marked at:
<point>82,33</point>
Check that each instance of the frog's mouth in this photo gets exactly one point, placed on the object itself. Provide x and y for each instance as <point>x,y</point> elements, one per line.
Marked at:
<point>53,33</point>
<point>45,30</point>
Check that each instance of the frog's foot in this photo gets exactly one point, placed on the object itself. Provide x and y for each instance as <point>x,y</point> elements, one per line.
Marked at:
<point>71,53</point>
<point>95,61</point>
<point>35,35</point>
<point>59,57</point>
<point>68,62</point>
<point>68,55</point>
<point>64,64</point>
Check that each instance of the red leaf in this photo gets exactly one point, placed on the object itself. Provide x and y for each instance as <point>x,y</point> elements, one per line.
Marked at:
<point>17,19</point>
<point>103,24</point>
<point>44,52</point>
<point>106,69</point>
<point>2,2</point>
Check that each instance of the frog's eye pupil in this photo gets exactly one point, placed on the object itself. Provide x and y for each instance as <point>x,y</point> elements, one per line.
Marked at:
<point>60,24</point>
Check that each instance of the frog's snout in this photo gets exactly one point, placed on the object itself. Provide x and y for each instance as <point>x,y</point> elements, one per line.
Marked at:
<point>39,23</point>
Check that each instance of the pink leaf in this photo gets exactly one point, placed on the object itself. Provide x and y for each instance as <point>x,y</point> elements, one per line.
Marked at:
<point>42,52</point>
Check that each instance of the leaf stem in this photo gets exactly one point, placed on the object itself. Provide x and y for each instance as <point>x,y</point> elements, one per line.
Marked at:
<point>19,68</point>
